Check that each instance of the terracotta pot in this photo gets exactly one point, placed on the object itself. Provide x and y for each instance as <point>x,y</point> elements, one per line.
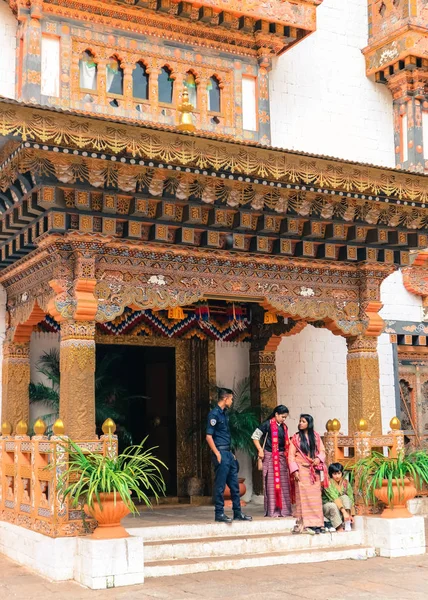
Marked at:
<point>108,517</point>
<point>242,490</point>
<point>399,499</point>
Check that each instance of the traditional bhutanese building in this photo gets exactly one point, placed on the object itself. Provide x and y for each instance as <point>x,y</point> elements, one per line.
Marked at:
<point>148,208</point>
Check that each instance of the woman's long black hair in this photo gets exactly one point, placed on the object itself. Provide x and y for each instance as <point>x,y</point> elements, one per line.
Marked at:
<point>281,409</point>
<point>308,448</point>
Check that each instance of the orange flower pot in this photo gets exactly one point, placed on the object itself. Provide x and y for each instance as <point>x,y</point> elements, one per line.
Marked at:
<point>242,490</point>
<point>399,500</point>
<point>108,517</point>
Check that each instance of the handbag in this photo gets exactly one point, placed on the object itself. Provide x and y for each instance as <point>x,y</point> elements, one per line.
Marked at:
<point>260,460</point>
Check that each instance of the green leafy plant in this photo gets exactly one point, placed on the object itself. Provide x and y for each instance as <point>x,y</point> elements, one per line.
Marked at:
<point>369,473</point>
<point>111,398</point>
<point>134,472</point>
<point>243,418</point>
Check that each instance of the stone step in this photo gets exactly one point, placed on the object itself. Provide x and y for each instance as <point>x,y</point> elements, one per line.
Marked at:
<point>244,544</point>
<point>186,566</point>
<point>207,530</point>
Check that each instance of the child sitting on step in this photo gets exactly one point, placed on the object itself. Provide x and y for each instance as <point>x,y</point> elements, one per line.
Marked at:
<point>338,500</point>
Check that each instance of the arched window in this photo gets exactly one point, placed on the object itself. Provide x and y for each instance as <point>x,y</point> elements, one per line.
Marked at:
<point>88,71</point>
<point>114,76</point>
<point>190,83</point>
<point>165,86</point>
<point>140,82</point>
<point>214,103</point>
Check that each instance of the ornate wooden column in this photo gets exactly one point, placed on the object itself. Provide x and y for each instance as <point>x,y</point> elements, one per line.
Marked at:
<point>77,389</point>
<point>15,382</point>
<point>363,383</point>
<point>76,316</point>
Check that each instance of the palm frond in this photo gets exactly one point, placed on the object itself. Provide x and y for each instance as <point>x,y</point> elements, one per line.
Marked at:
<point>41,393</point>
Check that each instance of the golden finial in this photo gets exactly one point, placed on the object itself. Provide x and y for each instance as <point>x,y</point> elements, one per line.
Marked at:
<point>39,427</point>
<point>270,318</point>
<point>21,428</point>
<point>362,425</point>
<point>6,428</point>
<point>329,425</point>
<point>336,425</point>
<point>109,427</point>
<point>395,423</point>
<point>58,427</point>
<point>186,109</point>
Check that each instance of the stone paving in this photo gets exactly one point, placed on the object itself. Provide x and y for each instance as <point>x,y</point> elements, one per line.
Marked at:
<point>377,579</point>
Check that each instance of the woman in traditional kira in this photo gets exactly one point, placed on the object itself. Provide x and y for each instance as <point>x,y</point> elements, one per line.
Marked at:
<point>274,456</point>
<point>308,469</point>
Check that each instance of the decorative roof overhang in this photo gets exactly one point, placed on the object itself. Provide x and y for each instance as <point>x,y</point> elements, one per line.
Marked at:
<point>265,27</point>
<point>398,37</point>
<point>64,173</point>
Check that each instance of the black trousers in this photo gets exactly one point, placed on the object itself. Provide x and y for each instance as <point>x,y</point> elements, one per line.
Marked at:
<point>226,472</point>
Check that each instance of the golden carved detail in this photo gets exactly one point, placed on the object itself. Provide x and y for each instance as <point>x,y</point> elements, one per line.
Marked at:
<point>77,389</point>
<point>15,382</point>
<point>172,147</point>
<point>363,384</point>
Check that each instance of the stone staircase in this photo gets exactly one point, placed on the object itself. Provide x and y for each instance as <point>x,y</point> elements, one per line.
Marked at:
<point>195,548</point>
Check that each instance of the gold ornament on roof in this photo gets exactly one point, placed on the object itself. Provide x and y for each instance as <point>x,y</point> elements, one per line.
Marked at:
<point>270,318</point>
<point>395,423</point>
<point>186,109</point>
<point>335,425</point>
<point>39,427</point>
<point>58,427</point>
<point>109,427</point>
<point>362,425</point>
<point>6,428</point>
<point>21,428</point>
<point>176,314</point>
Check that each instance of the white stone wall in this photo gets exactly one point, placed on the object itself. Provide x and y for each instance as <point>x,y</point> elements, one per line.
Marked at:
<point>399,304</point>
<point>321,99</point>
<point>39,344</point>
<point>387,381</point>
<point>8,27</point>
<point>233,365</point>
<point>311,377</point>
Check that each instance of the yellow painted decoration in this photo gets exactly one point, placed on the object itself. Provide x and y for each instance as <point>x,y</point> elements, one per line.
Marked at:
<point>329,425</point>
<point>395,423</point>
<point>176,314</point>
<point>6,428</point>
<point>270,318</point>
<point>109,427</point>
<point>186,109</point>
<point>58,427</point>
<point>336,425</point>
<point>21,428</point>
<point>362,425</point>
<point>39,427</point>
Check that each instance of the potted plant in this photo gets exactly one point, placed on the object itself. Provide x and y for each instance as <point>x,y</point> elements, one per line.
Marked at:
<point>105,485</point>
<point>393,481</point>
<point>243,420</point>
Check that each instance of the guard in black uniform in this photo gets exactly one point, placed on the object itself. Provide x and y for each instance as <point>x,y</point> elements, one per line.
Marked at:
<point>224,461</point>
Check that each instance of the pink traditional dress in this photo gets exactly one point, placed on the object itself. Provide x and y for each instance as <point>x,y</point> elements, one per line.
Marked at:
<point>276,478</point>
<point>308,510</point>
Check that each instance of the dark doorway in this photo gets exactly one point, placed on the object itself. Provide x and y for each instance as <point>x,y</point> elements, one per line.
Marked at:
<point>149,376</point>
